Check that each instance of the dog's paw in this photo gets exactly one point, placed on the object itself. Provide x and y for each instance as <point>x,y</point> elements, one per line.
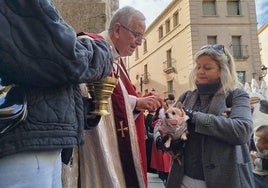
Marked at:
<point>168,142</point>
<point>184,136</point>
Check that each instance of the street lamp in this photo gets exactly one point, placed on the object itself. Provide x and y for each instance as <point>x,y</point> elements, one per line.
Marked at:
<point>263,71</point>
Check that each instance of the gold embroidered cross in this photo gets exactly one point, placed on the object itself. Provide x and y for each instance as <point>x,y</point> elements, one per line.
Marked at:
<point>122,129</point>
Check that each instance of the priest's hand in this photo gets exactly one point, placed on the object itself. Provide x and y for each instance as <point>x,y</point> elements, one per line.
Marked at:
<point>148,103</point>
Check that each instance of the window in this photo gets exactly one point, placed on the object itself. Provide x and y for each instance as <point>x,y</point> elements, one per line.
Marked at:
<point>144,46</point>
<point>233,7</point>
<point>145,75</point>
<point>170,85</point>
<point>167,26</point>
<point>169,58</point>
<point>175,19</point>
<point>169,63</point>
<point>236,44</point>
<point>160,30</point>
<point>209,7</point>
<point>212,39</point>
<point>136,53</point>
<point>145,69</point>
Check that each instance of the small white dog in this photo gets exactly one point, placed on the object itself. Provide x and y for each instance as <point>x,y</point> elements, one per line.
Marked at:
<point>173,124</point>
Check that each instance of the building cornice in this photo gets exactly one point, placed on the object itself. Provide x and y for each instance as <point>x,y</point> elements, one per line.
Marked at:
<point>263,27</point>
<point>162,15</point>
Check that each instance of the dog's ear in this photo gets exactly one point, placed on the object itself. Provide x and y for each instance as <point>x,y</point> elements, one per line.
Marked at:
<point>179,105</point>
<point>161,113</point>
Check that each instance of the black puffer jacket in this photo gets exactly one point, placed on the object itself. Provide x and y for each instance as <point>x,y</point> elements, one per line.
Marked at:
<point>40,52</point>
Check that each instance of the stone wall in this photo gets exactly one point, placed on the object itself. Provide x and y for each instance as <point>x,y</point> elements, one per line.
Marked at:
<point>87,15</point>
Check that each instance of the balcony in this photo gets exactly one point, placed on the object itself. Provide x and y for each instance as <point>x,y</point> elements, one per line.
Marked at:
<point>169,66</point>
<point>239,51</point>
<point>170,70</point>
<point>145,78</point>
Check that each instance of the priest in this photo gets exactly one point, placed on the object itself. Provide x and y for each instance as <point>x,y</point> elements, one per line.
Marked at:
<point>114,153</point>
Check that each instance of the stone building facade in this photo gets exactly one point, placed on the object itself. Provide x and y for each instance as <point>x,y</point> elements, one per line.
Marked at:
<point>164,60</point>
<point>87,15</point>
<point>263,38</point>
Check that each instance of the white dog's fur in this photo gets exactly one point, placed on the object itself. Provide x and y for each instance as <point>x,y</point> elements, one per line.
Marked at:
<point>173,123</point>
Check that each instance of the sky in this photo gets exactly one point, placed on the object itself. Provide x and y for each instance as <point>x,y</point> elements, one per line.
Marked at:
<point>261,11</point>
<point>152,8</point>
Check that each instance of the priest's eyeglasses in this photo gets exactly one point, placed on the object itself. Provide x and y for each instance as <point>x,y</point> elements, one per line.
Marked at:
<point>137,35</point>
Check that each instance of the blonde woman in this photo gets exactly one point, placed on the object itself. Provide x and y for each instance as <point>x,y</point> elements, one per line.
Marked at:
<point>216,153</point>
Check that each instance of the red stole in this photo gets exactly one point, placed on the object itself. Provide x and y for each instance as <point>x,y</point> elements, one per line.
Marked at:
<point>121,123</point>
<point>124,142</point>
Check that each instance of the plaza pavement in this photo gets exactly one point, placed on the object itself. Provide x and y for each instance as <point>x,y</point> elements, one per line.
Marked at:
<point>154,181</point>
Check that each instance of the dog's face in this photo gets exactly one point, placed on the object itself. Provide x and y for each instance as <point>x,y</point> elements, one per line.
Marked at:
<point>174,116</point>
<point>173,122</point>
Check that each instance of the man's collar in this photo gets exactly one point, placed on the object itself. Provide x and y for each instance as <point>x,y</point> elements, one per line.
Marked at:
<point>106,36</point>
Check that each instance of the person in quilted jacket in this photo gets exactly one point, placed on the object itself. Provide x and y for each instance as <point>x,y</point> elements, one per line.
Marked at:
<point>40,52</point>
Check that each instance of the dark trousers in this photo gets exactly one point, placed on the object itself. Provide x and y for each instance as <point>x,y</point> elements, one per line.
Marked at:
<point>260,181</point>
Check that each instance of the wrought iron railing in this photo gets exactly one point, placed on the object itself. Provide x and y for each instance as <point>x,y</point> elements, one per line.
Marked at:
<point>239,51</point>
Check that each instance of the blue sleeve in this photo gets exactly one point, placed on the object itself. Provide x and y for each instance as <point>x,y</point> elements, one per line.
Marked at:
<point>38,48</point>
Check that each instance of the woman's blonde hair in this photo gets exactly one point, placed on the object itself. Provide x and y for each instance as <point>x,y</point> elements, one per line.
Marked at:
<point>224,59</point>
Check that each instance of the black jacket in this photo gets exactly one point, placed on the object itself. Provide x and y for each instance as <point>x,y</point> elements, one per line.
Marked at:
<point>41,53</point>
